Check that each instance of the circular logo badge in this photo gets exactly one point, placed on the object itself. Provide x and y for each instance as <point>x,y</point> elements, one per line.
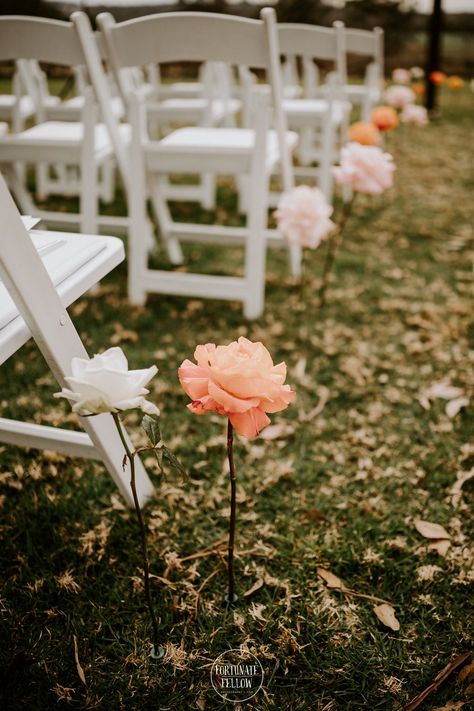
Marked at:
<point>236,676</point>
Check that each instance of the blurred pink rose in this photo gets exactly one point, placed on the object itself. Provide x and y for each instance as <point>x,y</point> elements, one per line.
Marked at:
<point>238,380</point>
<point>303,216</point>
<point>401,76</point>
<point>414,114</point>
<point>399,96</point>
<point>366,168</point>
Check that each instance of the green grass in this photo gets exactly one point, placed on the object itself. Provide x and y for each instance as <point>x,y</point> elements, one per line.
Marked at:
<point>340,491</point>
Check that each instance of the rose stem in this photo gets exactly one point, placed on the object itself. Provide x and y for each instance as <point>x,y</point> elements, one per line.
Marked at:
<point>334,243</point>
<point>146,564</point>
<point>230,558</point>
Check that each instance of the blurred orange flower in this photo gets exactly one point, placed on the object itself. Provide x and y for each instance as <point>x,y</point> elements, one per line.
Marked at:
<point>365,133</point>
<point>437,78</point>
<point>455,83</point>
<point>384,118</point>
<point>418,89</point>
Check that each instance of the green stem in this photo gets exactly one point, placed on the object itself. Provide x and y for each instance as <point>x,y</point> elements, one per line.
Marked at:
<point>230,557</point>
<point>334,243</point>
<point>146,564</point>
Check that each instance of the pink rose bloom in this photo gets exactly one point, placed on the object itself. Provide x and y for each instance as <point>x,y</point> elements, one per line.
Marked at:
<point>366,168</point>
<point>303,216</point>
<point>399,96</point>
<point>414,114</point>
<point>239,381</point>
<point>401,76</point>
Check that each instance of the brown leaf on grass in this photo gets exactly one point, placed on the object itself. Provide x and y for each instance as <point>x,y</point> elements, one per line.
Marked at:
<point>466,675</point>
<point>256,586</point>
<point>80,670</point>
<point>324,394</point>
<point>451,706</point>
<point>431,530</point>
<point>386,615</point>
<point>275,431</point>
<point>439,679</point>
<point>453,407</point>
<point>331,580</point>
<point>456,489</point>
<point>441,546</point>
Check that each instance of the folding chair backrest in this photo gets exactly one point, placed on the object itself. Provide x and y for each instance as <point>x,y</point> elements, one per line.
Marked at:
<point>189,36</point>
<point>366,43</point>
<point>185,36</point>
<point>313,43</point>
<point>38,38</point>
<point>309,41</point>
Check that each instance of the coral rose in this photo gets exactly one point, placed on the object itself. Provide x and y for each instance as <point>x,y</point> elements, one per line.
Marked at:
<point>366,168</point>
<point>401,76</point>
<point>384,118</point>
<point>399,96</point>
<point>437,78</point>
<point>238,380</point>
<point>365,133</point>
<point>303,216</point>
<point>455,83</point>
<point>418,89</point>
<point>414,114</point>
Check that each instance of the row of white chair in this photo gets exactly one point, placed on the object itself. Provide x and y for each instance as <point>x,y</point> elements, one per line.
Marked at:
<point>251,154</point>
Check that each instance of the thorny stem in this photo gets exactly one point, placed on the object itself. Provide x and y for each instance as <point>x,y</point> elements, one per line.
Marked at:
<point>146,564</point>
<point>230,557</point>
<point>334,243</point>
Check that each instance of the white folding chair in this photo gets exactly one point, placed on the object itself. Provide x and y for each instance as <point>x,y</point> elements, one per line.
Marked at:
<point>321,114</point>
<point>368,44</point>
<point>40,275</point>
<point>253,152</point>
<point>85,144</point>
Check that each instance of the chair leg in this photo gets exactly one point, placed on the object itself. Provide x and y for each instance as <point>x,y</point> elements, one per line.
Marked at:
<point>164,220</point>
<point>255,252</point>
<point>103,433</point>
<point>208,184</point>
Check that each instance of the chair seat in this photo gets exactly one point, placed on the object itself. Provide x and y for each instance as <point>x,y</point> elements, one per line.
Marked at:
<point>305,109</point>
<point>193,109</point>
<point>74,262</point>
<point>61,135</point>
<point>9,101</point>
<point>70,110</point>
<point>225,143</point>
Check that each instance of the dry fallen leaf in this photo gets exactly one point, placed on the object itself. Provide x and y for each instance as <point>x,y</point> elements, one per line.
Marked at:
<point>331,580</point>
<point>386,615</point>
<point>256,586</point>
<point>451,706</point>
<point>441,546</point>
<point>431,530</point>
<point>453,407</point>
<point>467,673</point>
<point>80,670</point>
<point>444,391</point>
<point>276,431</point>
<point>455,490</point>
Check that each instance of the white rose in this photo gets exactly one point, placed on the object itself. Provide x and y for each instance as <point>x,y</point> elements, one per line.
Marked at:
<point>105,384</point>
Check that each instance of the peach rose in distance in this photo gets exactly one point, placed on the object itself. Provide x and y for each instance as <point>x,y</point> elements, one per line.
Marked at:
<point>417,115</point>
<point>385,118</point>
<point>401,76</point>
<point>238,380</point>
<point>366,168</point>
<point>399,96</point>
<point>365,133</point>
<point>303,216</point>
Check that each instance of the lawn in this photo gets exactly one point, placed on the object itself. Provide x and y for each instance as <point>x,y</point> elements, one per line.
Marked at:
<point>338,487</point>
